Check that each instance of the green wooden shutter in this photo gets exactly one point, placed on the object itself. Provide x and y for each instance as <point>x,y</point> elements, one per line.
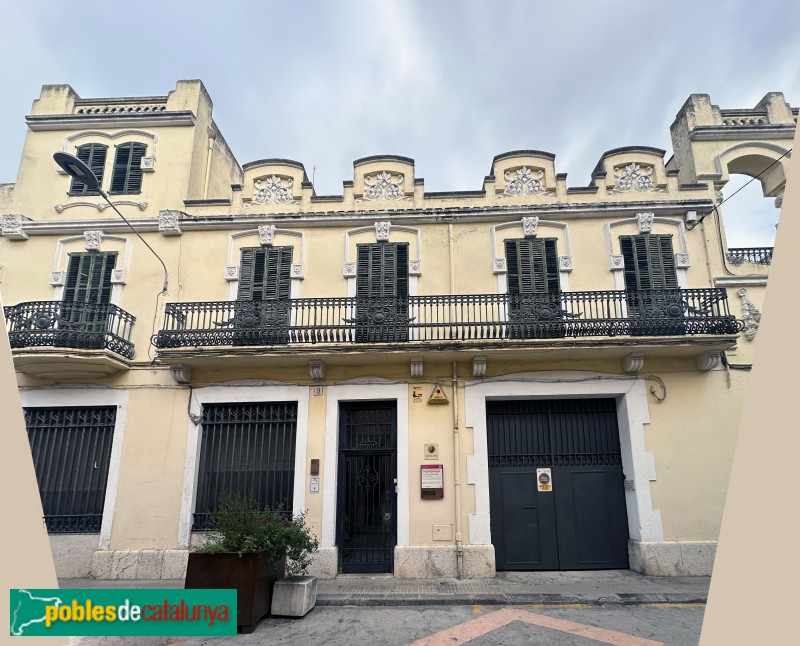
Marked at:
<point>127,175</point>
<point>382,270</point>
<point>94,156</point>
<point>89,277</point>
<point>532,265</point>
<point>649,262</point>
<point>265,273</point>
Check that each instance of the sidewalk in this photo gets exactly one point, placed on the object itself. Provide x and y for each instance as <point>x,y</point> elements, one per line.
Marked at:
<point>620,587</point>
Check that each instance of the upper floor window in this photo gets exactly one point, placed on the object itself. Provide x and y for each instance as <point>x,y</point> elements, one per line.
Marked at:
<point>126,177</point>
<point>649,262</point>
<point>532,265</point>
<point>94,156</point>
<point>262,312</point>
<point>382,292</point>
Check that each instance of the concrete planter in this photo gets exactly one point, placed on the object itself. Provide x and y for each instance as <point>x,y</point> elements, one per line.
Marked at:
<point>294,596</point>
<point>252,575</point>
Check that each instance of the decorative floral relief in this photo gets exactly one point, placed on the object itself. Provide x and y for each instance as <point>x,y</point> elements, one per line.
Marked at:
<point>169,222</point>
<point>349,269</point>
<point>565,263</point>
<point>524,182</point>
<point>634,178</point>
<point>750,315</point>
<point>382,231</point>
<point>92,239</point>
<point>383,187</point>
<point>266,234</point>
<point>645,222</point>
<point>616,261</point>
<point>12,227</point>
<point>274,190</point>
<point>499,265</point>
<point>529,226</point>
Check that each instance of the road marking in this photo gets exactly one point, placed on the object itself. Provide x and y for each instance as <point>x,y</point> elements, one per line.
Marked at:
<point>469,630</point>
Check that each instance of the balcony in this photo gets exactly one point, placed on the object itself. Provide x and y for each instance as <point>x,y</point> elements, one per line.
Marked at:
<point>99,337</point>
<point>445,322</point>
<point>751,255</point>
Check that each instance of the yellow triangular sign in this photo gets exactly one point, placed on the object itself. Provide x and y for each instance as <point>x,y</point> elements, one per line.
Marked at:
<point>438,396</point>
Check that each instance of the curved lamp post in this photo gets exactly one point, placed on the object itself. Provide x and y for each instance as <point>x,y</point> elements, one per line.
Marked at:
<point>75,168</point>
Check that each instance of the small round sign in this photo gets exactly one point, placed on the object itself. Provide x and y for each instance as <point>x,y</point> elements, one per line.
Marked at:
<point>544,479</point>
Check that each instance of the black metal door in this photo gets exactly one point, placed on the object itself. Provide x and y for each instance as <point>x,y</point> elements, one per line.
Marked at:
<point>367,501</point>
<point>581,524</point>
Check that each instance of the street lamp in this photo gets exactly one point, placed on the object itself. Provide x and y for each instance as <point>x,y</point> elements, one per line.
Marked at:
<point>75,168</point>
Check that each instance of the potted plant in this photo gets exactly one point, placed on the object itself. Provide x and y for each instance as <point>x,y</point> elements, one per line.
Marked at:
<point>250,550</point>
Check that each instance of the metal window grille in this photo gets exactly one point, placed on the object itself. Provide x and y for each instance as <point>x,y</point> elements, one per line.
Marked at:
<point>246,449</point>
<point>71,450</point>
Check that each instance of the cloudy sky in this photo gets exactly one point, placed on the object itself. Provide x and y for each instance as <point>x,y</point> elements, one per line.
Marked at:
<point>450,84</point>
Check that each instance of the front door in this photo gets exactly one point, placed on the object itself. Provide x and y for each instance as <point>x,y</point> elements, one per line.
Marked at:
<point>366,530</point>
<point>581,522</point>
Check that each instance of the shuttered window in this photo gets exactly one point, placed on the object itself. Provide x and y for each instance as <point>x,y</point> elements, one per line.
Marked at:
<point>382,270</point>
<point>89,277</point>
<point>94,156</point>
<point>265,273</point>
<point>71,450</point>
<point>649,262</point>
<point>246,449</point>
<point>126,177</point>
<point>532,266</point>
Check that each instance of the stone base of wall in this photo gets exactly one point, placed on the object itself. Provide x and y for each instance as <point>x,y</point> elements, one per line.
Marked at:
<point>72,554</point>
<point>140,564</point>
<point>325,563</point>
<point>672,558</point>
<point>439,562</point>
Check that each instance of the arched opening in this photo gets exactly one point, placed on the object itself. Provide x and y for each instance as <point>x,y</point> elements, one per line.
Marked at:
<point>749,218</point>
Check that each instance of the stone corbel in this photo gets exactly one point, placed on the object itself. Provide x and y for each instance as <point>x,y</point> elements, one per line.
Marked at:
<point>478,366</point>
<point>316,369</point>
<point>708,361</point>
<point>633,362</point>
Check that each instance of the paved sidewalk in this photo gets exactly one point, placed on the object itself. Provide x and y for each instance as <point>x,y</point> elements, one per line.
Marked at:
<point>621,587</point>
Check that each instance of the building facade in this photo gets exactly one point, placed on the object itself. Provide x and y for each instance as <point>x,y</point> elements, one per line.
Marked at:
<point>529,375</point>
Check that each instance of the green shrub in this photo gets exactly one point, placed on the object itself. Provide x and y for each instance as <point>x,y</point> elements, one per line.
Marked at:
<point>243,528</point>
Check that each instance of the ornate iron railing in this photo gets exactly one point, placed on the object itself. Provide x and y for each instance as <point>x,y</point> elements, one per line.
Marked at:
<point>753,255</point>
<point>446,318</point>
<point>56,324</point>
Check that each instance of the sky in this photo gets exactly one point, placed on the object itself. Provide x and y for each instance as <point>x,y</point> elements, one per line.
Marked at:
<point>449,83</point>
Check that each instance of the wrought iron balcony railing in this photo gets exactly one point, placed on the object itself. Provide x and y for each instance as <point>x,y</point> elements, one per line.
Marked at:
<point>83,326</point>
<point>446,318</point>
<point>753,255</point>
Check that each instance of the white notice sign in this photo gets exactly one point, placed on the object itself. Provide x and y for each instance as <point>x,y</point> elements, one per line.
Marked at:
<point>432,476</point>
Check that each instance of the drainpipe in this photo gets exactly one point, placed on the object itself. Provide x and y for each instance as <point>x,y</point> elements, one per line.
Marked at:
<point>456,447</point>
<point>457,478</point>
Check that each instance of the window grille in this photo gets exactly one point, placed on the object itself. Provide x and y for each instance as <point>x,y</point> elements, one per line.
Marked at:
<point>71,449</point>
<point>246,449</point>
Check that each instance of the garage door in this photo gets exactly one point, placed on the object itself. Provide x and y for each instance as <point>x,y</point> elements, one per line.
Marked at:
<point>556,485</point>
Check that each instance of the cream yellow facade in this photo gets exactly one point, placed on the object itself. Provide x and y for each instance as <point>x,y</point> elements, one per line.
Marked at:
<point>677,390</point>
